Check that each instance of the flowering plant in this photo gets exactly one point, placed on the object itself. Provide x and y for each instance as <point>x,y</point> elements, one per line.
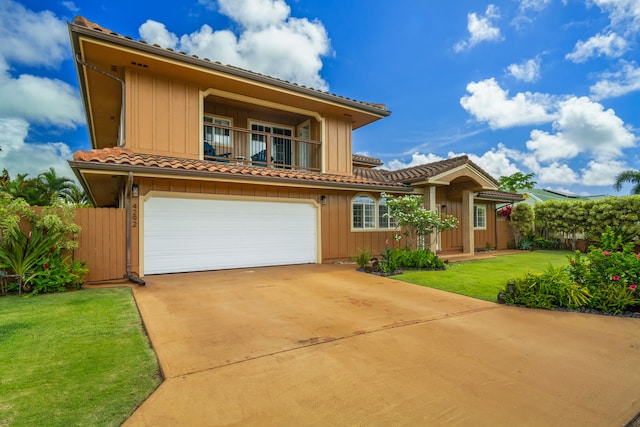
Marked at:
<point>506,211</point>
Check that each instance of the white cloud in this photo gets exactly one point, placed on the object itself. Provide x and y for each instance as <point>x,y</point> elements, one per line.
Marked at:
<point>602,173</point>
<point>417,159</point>
<point>481,28</point>
<point>582,126</point>
<point>17,156</point>
<point>71,6</point>
<point>624,14</point>
<point>31,38</point>
<point>551,173</point>
<point>618,83</point>
<point>610,45</point>
<point>156,33</point>
<point>256,14</point>
<point>489,103</point>
<point>40,100</point>
<point>527,71</point>
<point>496,162</point>
<point>535,5</point>
<point>272,42</point>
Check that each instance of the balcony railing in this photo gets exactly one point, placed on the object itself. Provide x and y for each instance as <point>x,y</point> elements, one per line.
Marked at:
<point>266,149</point>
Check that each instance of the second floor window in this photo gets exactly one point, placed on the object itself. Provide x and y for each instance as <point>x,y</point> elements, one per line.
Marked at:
<point>215,135</point>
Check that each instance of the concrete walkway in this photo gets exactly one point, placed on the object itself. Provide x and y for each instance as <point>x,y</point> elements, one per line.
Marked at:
<point>326,345</point>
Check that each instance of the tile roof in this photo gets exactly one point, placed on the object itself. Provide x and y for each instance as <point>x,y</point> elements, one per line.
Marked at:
<point>81,21</point>
<point>365,160</point>
<point>496,194</point>
<point>420,172</point>
<point>126,157</point>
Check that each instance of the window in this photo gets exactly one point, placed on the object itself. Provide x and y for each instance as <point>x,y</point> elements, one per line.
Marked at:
<point>383,221</point>
<point>217,135</point>
<point>280,145</point>
<point>479,216</point>
<point>369,214</point>
<point>363,213</point>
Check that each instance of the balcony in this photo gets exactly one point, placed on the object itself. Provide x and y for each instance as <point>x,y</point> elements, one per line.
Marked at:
<point>262,146</point>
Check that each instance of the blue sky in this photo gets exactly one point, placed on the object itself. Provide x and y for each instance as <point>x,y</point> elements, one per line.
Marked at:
<point>544,86</point>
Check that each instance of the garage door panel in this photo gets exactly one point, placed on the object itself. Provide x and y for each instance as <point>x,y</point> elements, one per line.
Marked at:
<point>194,234</point>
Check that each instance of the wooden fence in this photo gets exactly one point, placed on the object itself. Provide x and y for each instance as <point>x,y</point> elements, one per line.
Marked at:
<point>102,242</point>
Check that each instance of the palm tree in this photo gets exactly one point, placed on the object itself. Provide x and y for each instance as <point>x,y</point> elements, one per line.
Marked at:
<point>76,195</point>
<point>630,176</point>
<point>55,186</point>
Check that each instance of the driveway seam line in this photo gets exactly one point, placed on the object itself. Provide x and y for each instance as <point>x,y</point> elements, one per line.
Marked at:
<point>327,340</point>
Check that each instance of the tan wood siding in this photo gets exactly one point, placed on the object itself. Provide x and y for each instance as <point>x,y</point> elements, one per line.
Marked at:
<point>162,116</point>
<point>337,240</point>
<point>337,146</point>
<point>102,242</point>
<point>487,237</point>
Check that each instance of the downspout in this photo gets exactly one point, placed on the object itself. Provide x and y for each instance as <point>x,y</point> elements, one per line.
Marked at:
<point>121,131</point>
<point>127,206</point>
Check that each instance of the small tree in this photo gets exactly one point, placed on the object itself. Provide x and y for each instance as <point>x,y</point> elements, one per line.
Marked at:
<point>522,219</point>
<point>417,221</point>
<point>517,181</point>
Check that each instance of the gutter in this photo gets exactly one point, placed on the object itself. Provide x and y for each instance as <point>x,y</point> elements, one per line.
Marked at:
<point>127,205</point>
<point>121,131</point>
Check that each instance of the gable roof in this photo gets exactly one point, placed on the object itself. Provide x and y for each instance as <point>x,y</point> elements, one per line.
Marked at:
<point>422,172</point>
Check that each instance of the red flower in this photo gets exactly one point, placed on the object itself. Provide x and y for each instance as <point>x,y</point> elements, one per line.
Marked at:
<point>386,242</point>
<point>46,265</point>
<point>633,287</point>
<point>52,248</point>
<point>637,255</point>
<point>615,278</point>
<point>606,253</point>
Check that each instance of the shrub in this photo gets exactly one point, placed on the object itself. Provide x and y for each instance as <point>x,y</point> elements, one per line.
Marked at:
<point>605,279</point>
<point>58,273</point>
<point>363,258</point>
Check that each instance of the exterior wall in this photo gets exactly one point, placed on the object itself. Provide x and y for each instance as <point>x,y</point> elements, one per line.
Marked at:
<point>162,116</point>
<point>337,146</point>
<point>338,242</point>
<point>487,237</point>
<point>452,240</point>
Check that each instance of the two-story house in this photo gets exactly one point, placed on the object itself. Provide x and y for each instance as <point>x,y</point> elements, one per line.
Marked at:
<point>220,167</point>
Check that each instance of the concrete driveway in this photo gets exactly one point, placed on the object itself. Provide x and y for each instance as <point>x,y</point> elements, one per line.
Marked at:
<point>326,345</point>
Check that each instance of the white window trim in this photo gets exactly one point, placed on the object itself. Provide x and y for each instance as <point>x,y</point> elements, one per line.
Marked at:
<point>213,117</point>
<point>376,204</point>
<point>477,208</point>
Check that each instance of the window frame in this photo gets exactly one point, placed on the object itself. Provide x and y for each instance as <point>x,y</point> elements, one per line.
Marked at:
<point>476,216</point>
<point>212,123</point>
<point>376,226</point>
<point>392,223</point>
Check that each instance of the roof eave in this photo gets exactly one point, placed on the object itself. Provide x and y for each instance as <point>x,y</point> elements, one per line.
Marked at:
<point>82,166</point>
<point>76,30</point>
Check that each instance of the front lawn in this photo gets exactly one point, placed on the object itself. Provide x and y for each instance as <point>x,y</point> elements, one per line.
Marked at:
<point>483,279</point>
<point>73,359</point>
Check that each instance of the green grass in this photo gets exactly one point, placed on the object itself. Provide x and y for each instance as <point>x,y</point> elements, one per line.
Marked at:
<point>73,359</point>
<point>483,279</point>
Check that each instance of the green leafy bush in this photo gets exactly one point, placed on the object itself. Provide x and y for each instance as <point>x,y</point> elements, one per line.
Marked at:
<point>605,279</point>
<point>363,258</point>
<point>58,273</point>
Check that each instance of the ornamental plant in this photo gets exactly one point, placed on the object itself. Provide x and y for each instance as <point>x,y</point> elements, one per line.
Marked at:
<point>38,255</point>
<point>417,221</point>
<point>605,279</point>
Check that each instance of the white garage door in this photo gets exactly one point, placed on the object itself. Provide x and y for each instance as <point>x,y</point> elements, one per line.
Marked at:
<point>183,235</point>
